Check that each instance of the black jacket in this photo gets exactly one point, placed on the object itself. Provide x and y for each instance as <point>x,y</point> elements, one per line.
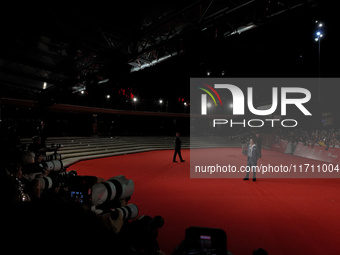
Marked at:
<point>178,143</point>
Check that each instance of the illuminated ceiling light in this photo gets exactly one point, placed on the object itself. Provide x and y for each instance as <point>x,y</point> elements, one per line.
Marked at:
<point>103,81</point>
<point>137,67</point>
<point>318,32</point>
<point>241,29</point>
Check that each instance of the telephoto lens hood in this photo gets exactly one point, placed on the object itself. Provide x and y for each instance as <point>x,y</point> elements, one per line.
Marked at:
<point>115,188</point>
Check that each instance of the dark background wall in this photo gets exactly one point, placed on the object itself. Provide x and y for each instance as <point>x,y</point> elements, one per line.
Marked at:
<point>26,119</point>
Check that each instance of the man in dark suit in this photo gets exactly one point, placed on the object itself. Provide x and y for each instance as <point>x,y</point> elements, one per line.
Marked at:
<point>41,129</point>
<point>178,145</point>
<point>252,158</point>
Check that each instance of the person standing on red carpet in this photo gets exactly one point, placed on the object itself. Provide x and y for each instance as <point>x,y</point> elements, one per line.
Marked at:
<point>252,158</point>
<point>178,145</point>
<point>258,142</point>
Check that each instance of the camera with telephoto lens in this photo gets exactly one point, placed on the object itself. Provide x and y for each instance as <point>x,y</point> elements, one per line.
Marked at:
<point>102,196</point>
<point>80,189</point>
<point>76,188</point>
<point>53,165</point>
<point>115,188</point>
<point>54,156</point>
<point>56,147</point>
<point>56,179</point>
<point>128,212</point>
<point>106,197</point>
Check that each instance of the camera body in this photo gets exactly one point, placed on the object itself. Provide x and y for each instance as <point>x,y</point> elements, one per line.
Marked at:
<point>80,189</point>
<point>200,240</point>
<point>142,234</point>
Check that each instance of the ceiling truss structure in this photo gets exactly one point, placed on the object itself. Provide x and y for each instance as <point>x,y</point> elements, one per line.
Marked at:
<point>76,49</point>
<point>163,38</point>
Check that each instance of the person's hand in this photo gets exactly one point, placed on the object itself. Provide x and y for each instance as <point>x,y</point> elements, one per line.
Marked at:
<point>114,225</point>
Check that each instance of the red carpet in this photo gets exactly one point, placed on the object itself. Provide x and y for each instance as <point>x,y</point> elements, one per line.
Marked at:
<point>283,216</point>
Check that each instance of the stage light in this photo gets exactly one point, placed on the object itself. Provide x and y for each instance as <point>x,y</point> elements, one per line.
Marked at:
<point>82,92</point>
<point>185,104</point>
<point>108,96</point>
<point>160,101</point>
<point>45,85</point>
<point>318,33</point>
<point>134,99</point>
<point>319,36</point>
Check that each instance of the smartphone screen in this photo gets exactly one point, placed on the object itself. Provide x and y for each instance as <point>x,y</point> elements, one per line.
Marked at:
<point>205,242</point>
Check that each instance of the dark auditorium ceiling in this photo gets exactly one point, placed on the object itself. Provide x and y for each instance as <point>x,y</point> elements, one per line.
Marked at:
<point>58,49</point>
